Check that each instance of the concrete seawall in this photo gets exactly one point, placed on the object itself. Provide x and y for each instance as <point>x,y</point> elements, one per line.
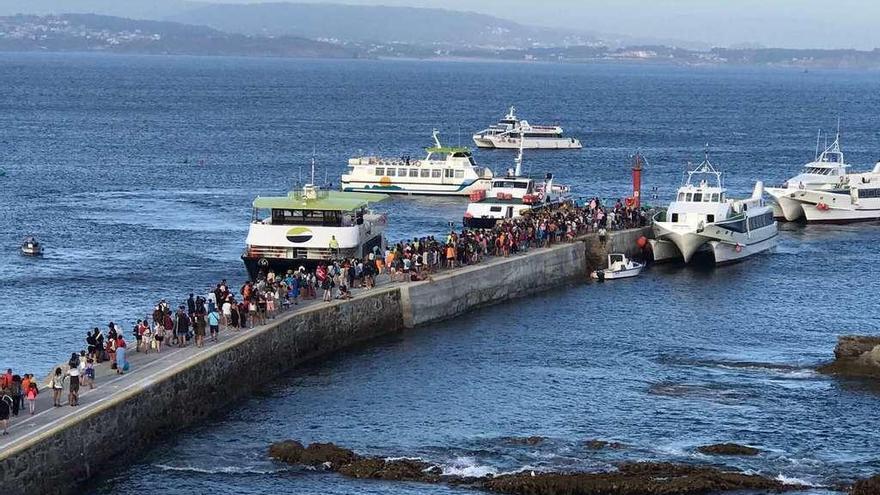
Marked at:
<point>71,446</point>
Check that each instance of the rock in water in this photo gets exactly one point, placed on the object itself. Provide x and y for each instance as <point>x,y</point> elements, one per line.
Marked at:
<point>535,440</point>
<point>394,470</point>
<point>601,444</point>
<point>855,355</point>
<point>316,454</point>
<point>727,449</point>
<point>870,486</point>
<point>635,479</point>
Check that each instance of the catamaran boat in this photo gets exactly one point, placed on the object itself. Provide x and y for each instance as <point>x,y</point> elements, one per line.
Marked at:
<point>619,266</point>
<point>856,198</point>
<point>448,171</point>
<point>511,196</point>
<point>827,171</point>
<point>510,131</point>
<point>31,246</point>
<point>702,218</point>
<point>309,227</point>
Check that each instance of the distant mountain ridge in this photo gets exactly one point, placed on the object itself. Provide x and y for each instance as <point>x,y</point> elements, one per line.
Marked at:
<point>379,24</point>
<point>100,33</point>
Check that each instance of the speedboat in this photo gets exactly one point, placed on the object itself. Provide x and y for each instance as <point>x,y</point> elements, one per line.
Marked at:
<point>512,196</point>
<point>311,227</point>
<point>619,266</point>
<point>31,246</point>
<point>445,171</point>
<point>702,218</point>
<point>510,132</point>
<point>827,171</point>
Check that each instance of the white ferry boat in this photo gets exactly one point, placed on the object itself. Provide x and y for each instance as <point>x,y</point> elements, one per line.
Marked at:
<point>511,196</point>
<point>510,131</point>
<point>309,227</point>
<point>828,170</point>
<point>447,171</point>
<point>702,218</point>
<point>855,199</point>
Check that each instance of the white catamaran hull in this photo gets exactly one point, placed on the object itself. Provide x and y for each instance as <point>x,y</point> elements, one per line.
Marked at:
<point>785,207</point>
<point>734,247</point>
<point>529,143</point>
<point>814,214</point>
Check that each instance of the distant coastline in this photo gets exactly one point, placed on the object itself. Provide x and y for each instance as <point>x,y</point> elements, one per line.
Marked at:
<point>89,33</point>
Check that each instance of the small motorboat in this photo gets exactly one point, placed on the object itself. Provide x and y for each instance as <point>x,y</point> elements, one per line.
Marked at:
<point>31,247</point>
<point>619,266</point>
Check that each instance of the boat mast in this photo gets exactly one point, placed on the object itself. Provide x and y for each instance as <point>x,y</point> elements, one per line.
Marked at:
<point>519,158</point>
<point>818,135</point>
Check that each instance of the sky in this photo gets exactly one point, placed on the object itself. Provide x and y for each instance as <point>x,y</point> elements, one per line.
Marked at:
<point>773,23</point>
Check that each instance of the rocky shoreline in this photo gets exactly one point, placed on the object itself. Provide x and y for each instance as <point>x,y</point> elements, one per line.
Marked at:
<point>631,478</point>
<point>855,356</point>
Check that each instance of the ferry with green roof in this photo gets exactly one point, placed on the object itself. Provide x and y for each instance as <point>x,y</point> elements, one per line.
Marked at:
<point>310,227</point>
<point>445,171</point>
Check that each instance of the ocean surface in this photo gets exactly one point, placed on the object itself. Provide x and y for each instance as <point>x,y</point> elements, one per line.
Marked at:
<point>138,173</point>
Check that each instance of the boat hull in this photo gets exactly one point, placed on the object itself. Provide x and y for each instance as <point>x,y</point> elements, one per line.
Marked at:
<point>613,275</point>
<point>417,189</point>
<point>529,144</point>
<point>814,214</point>
<point>479,222</point>
<point>785,207</point>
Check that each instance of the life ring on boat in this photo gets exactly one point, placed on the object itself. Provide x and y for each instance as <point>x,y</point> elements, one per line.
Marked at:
<point>821,207</point>
<point>263,262</point>
<point>738,248</point>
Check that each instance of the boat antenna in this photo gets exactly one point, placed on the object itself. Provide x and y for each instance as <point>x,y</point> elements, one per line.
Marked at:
<point>313,171</point>
<point>436,135</point>
<point>818,135</point>
<point>519,159</point>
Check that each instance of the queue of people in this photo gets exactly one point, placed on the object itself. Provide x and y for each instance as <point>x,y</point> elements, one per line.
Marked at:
<point>272,293</point>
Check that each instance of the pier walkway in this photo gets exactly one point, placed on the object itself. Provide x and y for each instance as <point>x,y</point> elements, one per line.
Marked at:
<point>125,414</point>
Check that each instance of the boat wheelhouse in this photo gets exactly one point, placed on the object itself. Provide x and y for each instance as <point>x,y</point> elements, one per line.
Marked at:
<point>827,171</point>
<point>309,227</point>
<point>511,196</point>
<point>445,171</point>
<point>510,131</point>
<point>702,218</point>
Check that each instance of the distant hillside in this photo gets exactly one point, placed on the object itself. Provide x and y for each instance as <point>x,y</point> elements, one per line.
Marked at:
<point>89,32</point>
<point>353,23</point>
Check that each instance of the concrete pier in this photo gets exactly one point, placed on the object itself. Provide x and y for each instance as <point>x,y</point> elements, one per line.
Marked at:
<point>58,448</point>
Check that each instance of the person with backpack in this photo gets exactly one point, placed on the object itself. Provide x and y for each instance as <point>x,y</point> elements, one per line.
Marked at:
<point>73,373</point>
<point>31,396</point>
<point>5,409</point>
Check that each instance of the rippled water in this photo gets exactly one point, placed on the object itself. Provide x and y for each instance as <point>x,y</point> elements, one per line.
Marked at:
<point>138,173</point>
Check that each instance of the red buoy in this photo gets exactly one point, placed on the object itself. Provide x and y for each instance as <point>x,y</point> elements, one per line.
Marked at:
<point>641,242</point>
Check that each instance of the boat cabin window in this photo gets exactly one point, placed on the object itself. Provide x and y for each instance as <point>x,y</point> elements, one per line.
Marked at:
<point>380,171</point>
<point>459,174</point>
<point>687,197</point>
<point>324,218</point>
<point>472,162</point>
<point>675,217</point>
<point>435,174</point>
<point>495,209</point>
<point>401,172</point>
<point>710,218</point>
<point>714,197</point>
<point>448,173</point>
<point>510,184</point>
<point>615,258</point>
<point>698,197</point>
<point>413,172</point>
<point>424,173</point>
<point>390,172</point>
<point>681,196</point>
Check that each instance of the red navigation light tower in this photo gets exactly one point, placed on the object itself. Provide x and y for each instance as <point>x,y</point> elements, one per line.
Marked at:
<point>638,161</point>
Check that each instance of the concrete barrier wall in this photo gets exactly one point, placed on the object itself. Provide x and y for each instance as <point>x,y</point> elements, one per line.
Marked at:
<point>124,422</point>
<point>449,295</point>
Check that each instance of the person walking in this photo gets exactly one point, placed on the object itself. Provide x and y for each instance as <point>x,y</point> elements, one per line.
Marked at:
<point>121,363</point>
<point>57,385</point>
<point>73,373</point>
<point>31,395</point>
<point>5,409</point>
<point>15,393</point>
<point>89,373</point>
<point>214,323</point>
<point>199,325</point>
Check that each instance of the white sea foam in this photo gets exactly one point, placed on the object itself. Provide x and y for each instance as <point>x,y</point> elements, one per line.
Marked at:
<point>791,480</point>
<point>468,467</point>
<point>218,470</point>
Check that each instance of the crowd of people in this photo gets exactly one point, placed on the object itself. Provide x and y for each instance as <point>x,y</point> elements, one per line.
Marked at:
<point>257,301</point>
